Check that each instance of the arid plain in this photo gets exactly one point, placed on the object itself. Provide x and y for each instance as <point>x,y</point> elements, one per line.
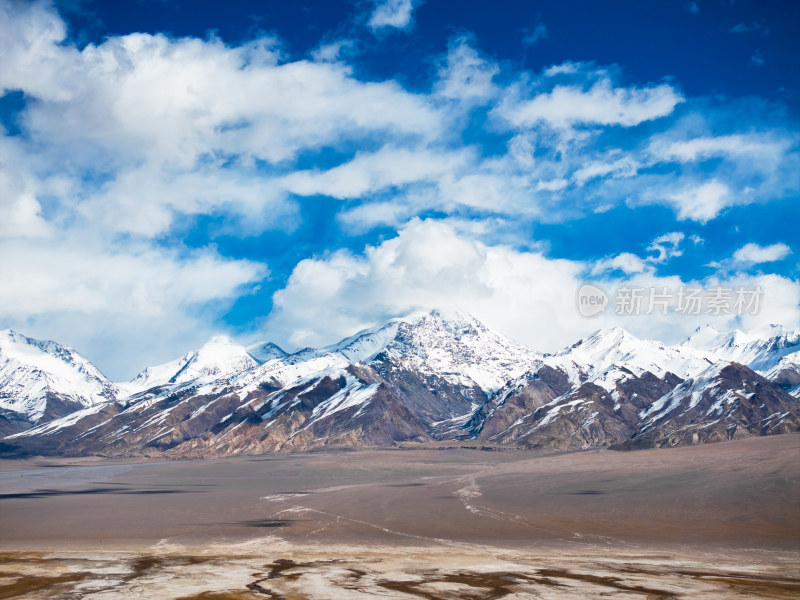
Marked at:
<point>716,521</point>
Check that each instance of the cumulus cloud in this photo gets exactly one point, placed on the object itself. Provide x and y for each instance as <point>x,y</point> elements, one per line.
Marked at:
<point>755,254</point>
<point>154,109</point>
<point>429,264</point>
<point>84,290</point>
<point>396,14</point>
<point>525,294</point>
<point>701,203</point>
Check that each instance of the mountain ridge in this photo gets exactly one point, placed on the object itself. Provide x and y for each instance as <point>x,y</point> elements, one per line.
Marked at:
<point>439,376</point>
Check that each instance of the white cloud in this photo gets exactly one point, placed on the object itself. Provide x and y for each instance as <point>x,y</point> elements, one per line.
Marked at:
<point>666,246</point>
<point>554,185</point>
<point>132,300</point>
<point>701,203</point>
<point>152,129</point>
<point>20,211</point>
<point>429,264</point>
<point>565,68</point>
<point>77,275</point>
<point>466,76</point>
<point>602,104</point>
<point>148,199</point>
<point>333,51</point>
<point>623,167</point>
<point>755,254</point>
<point>747,168</point>
<point>369,173</point>
<point>626,262</point>
<point>185,110</point>
<point>734,145</point>
<point>391,13</point>
<point>524,294</point>
<point>21,216</point>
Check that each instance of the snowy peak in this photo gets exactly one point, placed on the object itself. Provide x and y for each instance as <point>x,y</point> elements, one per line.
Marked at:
<point>219,357</point>
<point>453,346</point>
<point>265,351</point>
<point>46,379</point>
<point>603,341</point>
<point>608,355</point>
<point>460,348</point>
<point>761,349</point>
<point>704,337</point>
<point>365,344</point>
<point>155,376</point>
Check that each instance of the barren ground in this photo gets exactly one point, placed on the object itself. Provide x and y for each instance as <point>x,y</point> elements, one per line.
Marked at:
<point>714,521</point>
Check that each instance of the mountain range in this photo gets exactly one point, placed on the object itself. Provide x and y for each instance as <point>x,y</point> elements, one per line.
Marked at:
<point>428,378</point>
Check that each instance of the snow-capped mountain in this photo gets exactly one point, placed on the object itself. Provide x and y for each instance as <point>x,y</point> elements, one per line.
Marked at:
<point>608,389</point>
<point>265,351</point>
<point>453,348</point>
<point>773,351</point>
<point>451,345</point>
<point>219,357</point>
<point>727,400</point>
<point>441,376</point>
<point>760,350</point>
<point>611,355</point>
<point>587,394</point>
<point>41,380</point>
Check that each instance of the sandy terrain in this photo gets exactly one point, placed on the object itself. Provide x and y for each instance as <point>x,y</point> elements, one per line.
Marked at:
<point>712,521</point>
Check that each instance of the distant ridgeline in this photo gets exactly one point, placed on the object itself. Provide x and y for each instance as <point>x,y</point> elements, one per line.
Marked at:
<point>427,378</point>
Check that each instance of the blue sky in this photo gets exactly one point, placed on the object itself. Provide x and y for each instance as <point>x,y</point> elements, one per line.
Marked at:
<point>297,171</point>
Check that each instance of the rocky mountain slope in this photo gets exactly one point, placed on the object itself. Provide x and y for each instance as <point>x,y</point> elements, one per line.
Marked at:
<point>440,376</point>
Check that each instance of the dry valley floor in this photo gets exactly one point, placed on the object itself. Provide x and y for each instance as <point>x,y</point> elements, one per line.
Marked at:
<point>713,521</point>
